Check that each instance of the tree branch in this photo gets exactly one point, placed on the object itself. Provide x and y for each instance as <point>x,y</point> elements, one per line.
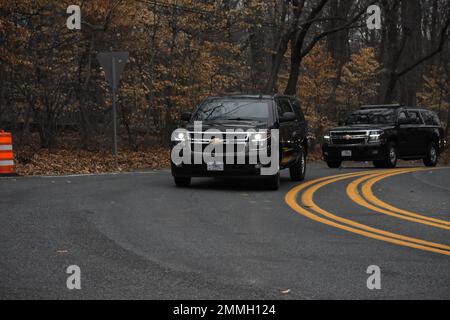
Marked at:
<point>443,39</point>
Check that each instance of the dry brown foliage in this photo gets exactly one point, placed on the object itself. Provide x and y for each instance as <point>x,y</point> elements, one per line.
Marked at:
<point>64,161</point>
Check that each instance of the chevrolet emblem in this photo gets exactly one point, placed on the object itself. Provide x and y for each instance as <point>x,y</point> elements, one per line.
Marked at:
<point>216,141</point>
<point>347,137</point>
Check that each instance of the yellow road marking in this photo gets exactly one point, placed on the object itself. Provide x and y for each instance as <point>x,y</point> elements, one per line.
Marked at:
<point>368,194</point>
<point>307,199</point>
<point>352,226</point>
<point>354,195</point>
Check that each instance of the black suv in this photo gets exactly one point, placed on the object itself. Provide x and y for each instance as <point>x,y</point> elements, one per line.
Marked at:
<point>241,114</point>
<point>383,134</point>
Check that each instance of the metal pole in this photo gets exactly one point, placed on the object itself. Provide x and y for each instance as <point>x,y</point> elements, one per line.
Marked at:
<point>114,111</point>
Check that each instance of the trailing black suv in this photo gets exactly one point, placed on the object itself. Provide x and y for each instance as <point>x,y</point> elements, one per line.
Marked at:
<point>239,121</point>
<point>383,134</point>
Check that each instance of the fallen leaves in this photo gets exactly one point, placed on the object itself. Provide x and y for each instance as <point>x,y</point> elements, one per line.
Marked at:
<point>77,161</point>
<point>315,153</point>
<point>445,157</point>
<point>66,161</point>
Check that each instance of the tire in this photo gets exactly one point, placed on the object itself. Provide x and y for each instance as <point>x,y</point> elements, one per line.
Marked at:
<point>432,158</point>
<point>182,181</point>
<point>392,156</point>
<point>334,164</point>
<point>298,169</point>
<point>272,182</point>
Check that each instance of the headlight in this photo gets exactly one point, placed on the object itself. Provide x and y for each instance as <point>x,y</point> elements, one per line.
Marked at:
<point>375,136</point>
<point>180,135</point>
<point>257,137</point>
<point>258,140</point>
<point>327,138</point>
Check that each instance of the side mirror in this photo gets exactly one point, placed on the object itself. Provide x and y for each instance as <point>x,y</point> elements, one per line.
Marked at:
<point>288,116</point>
<point>186,116</point>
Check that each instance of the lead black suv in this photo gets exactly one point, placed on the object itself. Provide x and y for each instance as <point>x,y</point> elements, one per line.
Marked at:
<point>383,134</point>
<point>244,112</point>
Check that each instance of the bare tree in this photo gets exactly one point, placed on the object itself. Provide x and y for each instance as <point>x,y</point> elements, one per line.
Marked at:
<point>398,44</point>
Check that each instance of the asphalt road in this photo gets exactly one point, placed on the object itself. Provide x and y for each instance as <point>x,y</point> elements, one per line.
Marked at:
<point>138,236</point>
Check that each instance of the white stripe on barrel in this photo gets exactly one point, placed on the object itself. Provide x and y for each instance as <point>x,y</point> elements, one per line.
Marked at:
<point>6,148</point>
<point>6,163</point>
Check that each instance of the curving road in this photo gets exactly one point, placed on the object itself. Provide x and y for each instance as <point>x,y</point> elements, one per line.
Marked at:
<point>137,236</point>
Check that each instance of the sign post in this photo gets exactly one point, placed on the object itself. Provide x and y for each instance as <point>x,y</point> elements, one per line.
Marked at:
<point>113,63</point>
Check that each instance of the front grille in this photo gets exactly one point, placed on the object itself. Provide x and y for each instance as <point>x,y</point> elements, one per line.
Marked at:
<point>349,142</point>
<point>238,140</point>
<point>226,137</point>
<point>349,137</point>
<point>348,133</point>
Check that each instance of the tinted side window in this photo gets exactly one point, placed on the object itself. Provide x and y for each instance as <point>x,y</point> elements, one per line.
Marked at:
<point>402,115</point>
<point>414,117</point>
<point>428,118</point>
<point>297,109</point>
<point>283,106</point>
<point>436,120</point>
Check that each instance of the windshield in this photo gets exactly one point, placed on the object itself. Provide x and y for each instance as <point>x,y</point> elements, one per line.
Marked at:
<point>378,116</point>
<point>233,109</point>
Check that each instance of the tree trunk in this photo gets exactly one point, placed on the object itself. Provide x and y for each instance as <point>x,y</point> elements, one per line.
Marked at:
<point>297,51</point>
<point>411,17</point>
<point>294,71</point>
<point>391,51</point>
<point>338,44</point>
<point>277,59</point>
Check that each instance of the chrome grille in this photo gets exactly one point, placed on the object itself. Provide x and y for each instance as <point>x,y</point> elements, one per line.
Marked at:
<point>225,137</point>
<point>349,137</point>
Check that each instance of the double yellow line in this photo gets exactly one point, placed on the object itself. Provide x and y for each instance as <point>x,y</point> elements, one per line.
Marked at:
<point>367,199</point>
<point>311,210</point>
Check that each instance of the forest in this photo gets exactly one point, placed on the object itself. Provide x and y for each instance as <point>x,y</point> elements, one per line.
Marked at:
<point>56,101</point>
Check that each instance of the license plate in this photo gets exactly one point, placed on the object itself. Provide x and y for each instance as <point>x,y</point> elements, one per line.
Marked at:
<point>346,153</point>
<point>215,166</point>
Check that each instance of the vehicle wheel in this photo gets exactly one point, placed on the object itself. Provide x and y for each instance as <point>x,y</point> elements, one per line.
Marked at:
<point>334,164</point>
<point>182,181</point>
<point>273,182</point>
<point>379,164</point>
<point>298,169</point>
<point>391,161</point>
<point>432,157</point>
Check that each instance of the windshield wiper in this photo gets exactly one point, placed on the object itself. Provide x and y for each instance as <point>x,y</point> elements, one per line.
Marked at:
<point>240,119</point>
<point>211,111</point>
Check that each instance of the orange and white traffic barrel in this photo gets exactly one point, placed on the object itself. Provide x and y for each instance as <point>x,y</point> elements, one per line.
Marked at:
<point>6,153</point>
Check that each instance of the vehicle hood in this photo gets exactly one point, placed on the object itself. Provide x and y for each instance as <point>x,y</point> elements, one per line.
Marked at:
<point>362,127</point>
<point>229,125</point>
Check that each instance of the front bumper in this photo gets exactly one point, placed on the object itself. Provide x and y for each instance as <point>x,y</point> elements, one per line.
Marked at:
<point>230,170</point>
<point>366,152</point>
<point>194,169</point>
